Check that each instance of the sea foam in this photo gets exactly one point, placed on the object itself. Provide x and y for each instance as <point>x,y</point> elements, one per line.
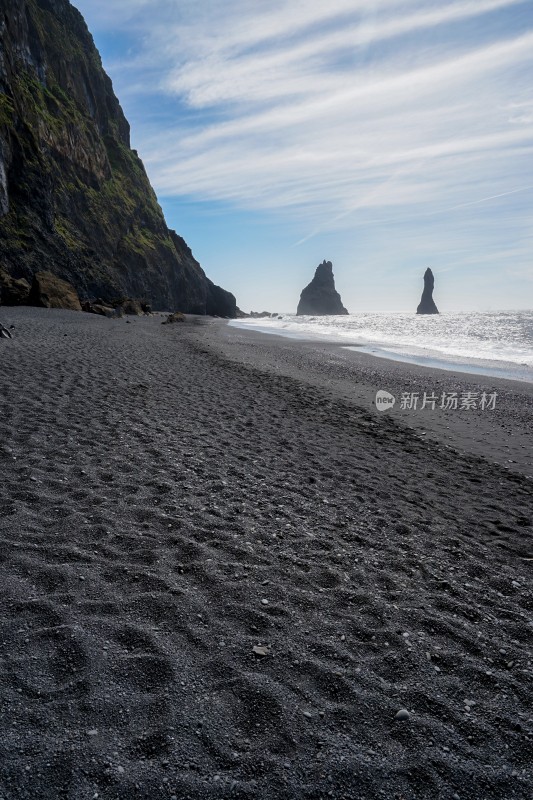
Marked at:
<point>496,343</point>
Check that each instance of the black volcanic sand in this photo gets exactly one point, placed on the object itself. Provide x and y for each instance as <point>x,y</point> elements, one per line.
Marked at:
<point>172,496</point>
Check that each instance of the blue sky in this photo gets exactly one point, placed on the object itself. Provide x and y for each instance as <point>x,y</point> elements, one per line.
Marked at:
<point>383,135</point>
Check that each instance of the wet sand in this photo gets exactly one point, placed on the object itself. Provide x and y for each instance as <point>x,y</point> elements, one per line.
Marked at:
<point>172,497</point>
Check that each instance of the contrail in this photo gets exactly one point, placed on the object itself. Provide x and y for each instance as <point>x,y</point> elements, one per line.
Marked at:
<point>483,200</point>
<point>372,193</point>
<point>395,219</point>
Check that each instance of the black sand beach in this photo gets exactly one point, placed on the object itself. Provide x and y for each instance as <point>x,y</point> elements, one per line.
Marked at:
<point>173,496</point>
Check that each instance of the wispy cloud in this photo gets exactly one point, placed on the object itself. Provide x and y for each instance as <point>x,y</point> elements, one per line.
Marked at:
<point>227,66</point>
<point>331,111</point>
<point>105,15</point>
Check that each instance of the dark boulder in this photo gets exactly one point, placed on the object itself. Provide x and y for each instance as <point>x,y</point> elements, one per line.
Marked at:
<point>427,304</point>
<point>130,307</point>
<point>177,316</point>
<point>4,333</point>
<point>98,308</point>
<point>49,291</point>
<point>320,297</point>
<point>13,292</point>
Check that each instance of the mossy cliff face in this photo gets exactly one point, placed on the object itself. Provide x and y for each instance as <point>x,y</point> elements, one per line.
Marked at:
<point>74,197</point>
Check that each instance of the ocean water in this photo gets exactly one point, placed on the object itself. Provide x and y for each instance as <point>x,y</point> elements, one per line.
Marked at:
<point>497,343</point>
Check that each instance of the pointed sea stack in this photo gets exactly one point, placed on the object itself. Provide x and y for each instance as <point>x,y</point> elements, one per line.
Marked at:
<point>427,304</point>
<point>320,297</point>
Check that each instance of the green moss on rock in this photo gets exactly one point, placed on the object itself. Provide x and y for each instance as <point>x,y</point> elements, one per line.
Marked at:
<point>6,110</point>
<point>80,202</point>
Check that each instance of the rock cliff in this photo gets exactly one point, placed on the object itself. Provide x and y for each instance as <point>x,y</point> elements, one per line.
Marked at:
<point>427,304</point>
<point>320,296</point>
<point>74,197</point>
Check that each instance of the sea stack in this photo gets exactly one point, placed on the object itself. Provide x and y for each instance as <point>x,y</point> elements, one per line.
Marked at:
<point>427,304</point>
<point>320,297</point>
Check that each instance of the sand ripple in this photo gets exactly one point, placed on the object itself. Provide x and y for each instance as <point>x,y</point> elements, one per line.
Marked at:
<point>163,509</point>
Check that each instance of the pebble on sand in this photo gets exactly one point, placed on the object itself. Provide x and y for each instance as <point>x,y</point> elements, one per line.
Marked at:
<point>261,650</point>
<point>402,715</point>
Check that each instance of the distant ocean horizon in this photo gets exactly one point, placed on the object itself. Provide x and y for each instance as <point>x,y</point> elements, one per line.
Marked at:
<point>493,343</point>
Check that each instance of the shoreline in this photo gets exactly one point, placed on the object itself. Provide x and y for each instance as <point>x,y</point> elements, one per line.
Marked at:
<point>223,573</point>
<point>356,375</point>
<point>495,368</point>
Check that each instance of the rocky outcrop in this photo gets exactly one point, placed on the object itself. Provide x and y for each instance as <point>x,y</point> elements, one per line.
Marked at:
<point>129,306</point>
<point>49,291</point>
<point>320,297</point>
<point>13,292</point>
<point>219,302</point>
<point>74,197</point>
<point>99,308</point>
<point>173,318</point>
<point>427,304</point>
<point>203,296</point>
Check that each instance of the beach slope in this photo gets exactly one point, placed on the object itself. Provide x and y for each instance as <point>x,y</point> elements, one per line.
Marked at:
<point>223,574</point>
